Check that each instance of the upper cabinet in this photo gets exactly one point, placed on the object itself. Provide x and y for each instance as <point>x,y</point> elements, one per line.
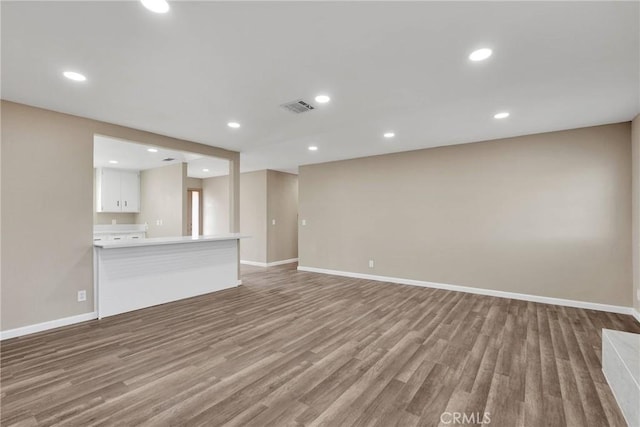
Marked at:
<point>117,190</point>
<point>130,191</point>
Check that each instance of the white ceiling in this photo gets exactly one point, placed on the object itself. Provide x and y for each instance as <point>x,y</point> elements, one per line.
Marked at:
<point>130,155</point>
<point>398,66</point>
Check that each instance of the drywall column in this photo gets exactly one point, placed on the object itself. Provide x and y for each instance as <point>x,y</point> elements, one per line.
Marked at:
<point>234,199</point>
<point>215,198</point>
<point>635,221</point>
<point>234,193</point>
<point>184,201</point>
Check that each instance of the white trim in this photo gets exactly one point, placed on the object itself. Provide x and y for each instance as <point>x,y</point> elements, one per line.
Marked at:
<point>479,291</point>
<point>268,264</point>
<point>254,263</point>
<point>51,324</point>
<point>284,261</point>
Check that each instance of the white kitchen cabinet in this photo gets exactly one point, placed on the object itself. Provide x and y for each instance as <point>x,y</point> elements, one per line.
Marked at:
<point>117,190</point>
<point>108,190</point>
<point>130,191</point>
<point>108,232</point>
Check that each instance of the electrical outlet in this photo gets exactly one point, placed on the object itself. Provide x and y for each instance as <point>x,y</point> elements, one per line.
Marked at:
<point>273,222</point>
<point>82,296</point>
<point>370,263</point>
<point>304,222</point>
<point>113,222</point>
<point>158,222</point>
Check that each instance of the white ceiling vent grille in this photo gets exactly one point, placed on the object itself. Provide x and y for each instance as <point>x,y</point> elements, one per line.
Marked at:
<point>298,106</point>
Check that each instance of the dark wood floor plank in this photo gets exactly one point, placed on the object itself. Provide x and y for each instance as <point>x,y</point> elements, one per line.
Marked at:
<point>295,348</point>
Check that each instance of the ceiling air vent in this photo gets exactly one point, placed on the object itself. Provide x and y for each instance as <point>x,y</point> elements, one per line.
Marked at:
<point>298,106</point>
<point>168,159</point>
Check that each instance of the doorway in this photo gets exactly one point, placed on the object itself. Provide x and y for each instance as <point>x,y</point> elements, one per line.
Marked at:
<point>194,212</point>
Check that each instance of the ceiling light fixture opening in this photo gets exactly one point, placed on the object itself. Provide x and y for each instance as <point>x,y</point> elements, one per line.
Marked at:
<point>152,150</point>
<point>389,134</point>
<point>480,54</point>
<point>234,125</point>
<point>113,162</point>
<point>502,115</point>
<point>76,77</point>
<point>322,99</point>
<point>313,148</point>
<point>205,170</point>
<point>157,6</point>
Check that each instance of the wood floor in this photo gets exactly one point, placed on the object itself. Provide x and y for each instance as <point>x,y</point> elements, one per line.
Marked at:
<point>294,348</point>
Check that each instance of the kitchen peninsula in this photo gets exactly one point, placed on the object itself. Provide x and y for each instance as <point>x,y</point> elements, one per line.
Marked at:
<point>134,274</point>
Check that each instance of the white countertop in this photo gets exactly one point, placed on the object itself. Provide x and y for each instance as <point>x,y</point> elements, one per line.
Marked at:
<point>155,241</point>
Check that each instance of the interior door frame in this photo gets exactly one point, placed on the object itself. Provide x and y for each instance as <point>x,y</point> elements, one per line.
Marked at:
<point>190,192</point>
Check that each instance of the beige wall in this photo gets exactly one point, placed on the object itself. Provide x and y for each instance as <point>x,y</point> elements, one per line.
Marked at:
<point>264,196</point>
<point>253,216</point>
<point>253,211</point>
<point>282,207</point>
<point>546,214</point>
<point>163,199</point>
<point>45,263</point>
<point>215,210</point>
<point>194,183</point>
<point>102,218</point>
<point>635,144</point>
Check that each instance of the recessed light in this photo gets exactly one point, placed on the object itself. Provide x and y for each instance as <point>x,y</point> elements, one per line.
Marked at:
<point>76,77</point>
<point>322,99</point>
<point>389,135</point>
<point>313,148</point>
<point>502,115</point>
<point>480,54</point>
<point>152,150</point>
<point>113,162</point>
<point>205,170</point>
<point>157,6</point>
<point>234,125</point>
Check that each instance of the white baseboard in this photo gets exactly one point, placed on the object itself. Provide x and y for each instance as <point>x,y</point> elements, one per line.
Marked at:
<point>479,291</point>
<point>39,327</point>
<point>254,263</point>
<point>269,264</point>
<point>284,261</point>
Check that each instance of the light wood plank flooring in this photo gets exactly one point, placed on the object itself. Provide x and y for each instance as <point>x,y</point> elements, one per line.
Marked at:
<point>294,348</point>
